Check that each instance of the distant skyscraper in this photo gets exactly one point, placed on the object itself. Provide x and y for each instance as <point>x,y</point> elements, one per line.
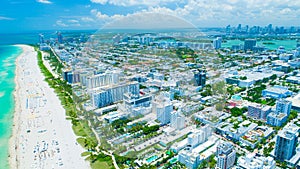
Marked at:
<point>249,44</point>
<point>286,142</point>
<point>228,29</point>
<point>283,106</point>
<point>217,43</point>
<point>226,155</point>
<point>239,28</point>
<point>41,38</point>
<point>59,37</point>
<point>200,78</point>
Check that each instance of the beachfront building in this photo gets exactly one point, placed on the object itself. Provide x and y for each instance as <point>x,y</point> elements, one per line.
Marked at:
<point>163,107</point>
<point>107,95</point>
<point>177,120</point>
<point>286,142</point>
<point>276,92</point>
<point>252,161</point>
<point>103,79</point>
<point>258,111</point>
<point>226,155</point>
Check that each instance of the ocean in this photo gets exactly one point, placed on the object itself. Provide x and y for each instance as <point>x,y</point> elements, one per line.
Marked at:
<point>8,55</point>
<point>274,44</point>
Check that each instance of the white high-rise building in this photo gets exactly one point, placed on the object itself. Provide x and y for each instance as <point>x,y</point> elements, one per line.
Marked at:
<point>111,94</point>
<point>199,136</point>
<point>177,120</point>
<point>99,80</point>
<point>286,142</point>
<point>163,107</point>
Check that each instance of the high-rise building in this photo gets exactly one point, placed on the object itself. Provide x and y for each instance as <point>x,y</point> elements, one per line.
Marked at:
<point>108,78</point>
<point>110,94</point>
<point>190,156</point>
<point>283,106</point>
<point>249,44</point>
<point>286,142</point>
<point>41,38</point>
<point>177,120</point>
<point>59,37</point>
<point>200,78</point>
<point>226,155</point>
<point>217,43</point>
<point>163,107</point>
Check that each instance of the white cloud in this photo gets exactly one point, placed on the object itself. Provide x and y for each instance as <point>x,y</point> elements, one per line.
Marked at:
<point>212,12</point>
<point>99,15</point>
<point>87,19</point>
<point>134,2</point>
<point>73,21</point>
<point>5,18</point>
<point>60,23</point>
<point>44,1</point>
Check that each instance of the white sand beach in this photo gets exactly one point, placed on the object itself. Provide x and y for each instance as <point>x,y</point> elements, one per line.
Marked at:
<point>42,137</point>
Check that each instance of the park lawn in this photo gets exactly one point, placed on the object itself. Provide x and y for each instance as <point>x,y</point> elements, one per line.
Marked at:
<point>100,164</point>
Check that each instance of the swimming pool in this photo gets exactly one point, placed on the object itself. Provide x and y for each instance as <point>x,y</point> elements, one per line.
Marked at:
<point>151,159</point>
<point>236,97</point>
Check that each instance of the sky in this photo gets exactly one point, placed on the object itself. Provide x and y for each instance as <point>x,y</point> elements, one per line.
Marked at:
<point>27,15</point>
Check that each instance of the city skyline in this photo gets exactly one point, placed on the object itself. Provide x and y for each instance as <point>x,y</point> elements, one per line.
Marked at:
<point>93,14</point>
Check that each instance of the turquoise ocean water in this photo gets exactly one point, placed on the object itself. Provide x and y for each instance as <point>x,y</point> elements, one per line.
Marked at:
<point>288,44</point>
<point>8,55</point>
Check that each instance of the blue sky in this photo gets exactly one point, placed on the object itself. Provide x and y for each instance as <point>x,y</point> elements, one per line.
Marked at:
<point>25,15</point>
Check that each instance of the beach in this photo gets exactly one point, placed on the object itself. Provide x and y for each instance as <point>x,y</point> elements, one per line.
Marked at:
<point>41,136</point>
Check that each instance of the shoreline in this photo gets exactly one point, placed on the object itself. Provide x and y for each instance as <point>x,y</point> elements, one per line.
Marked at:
<point>39,122</point>
<point>13,140</point>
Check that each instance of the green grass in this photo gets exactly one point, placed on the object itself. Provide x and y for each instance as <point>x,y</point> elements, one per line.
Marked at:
<point>78,130</point>
<point>100,165</point>
<point>80,140</point>
<point>85,154</point>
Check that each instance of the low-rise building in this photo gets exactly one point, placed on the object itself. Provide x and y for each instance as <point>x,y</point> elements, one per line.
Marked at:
<point>251,161</point>
<point>258,111</point>
<point>253,137</point>
<point>276,92</point>
<point>275,119</point>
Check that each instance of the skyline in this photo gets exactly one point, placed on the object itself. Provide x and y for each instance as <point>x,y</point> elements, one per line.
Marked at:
<point>93,14</point>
